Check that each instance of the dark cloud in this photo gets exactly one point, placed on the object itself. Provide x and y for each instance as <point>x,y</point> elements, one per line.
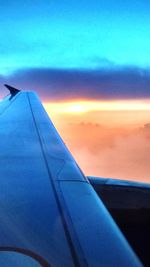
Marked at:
<point>110,83</point>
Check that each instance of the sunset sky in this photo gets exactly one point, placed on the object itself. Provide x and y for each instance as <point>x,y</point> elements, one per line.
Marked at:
<point>89,61</point>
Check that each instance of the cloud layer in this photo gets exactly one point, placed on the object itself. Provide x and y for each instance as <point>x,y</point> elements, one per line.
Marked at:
<point>110,151</point>
<point>109,83</point>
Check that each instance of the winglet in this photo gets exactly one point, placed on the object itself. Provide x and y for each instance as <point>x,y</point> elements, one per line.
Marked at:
<point>13,91</point>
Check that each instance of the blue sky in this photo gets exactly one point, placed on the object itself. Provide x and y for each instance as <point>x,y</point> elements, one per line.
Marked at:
<point>74,34</point>
<point>76,48</point>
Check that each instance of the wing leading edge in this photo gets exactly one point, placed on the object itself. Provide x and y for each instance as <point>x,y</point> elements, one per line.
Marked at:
<point>47,206</point>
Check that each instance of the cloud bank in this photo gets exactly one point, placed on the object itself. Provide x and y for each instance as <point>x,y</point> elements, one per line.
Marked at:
<point>60,84</point>
<point>111,152</point>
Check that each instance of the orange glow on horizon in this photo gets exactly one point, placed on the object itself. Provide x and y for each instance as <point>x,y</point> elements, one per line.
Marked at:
<point>106,138</point>
<point>83,106</point>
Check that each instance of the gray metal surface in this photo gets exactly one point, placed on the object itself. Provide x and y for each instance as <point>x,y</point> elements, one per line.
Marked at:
<point>47,207</point>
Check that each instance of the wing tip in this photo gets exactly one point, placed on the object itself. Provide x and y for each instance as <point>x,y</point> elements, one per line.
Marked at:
<point>13,90</point>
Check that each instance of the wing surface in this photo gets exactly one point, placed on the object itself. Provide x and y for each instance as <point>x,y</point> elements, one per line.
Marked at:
<point>48,209</point>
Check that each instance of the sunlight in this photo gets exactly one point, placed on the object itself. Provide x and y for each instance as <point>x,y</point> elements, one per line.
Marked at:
<point>77,107</point>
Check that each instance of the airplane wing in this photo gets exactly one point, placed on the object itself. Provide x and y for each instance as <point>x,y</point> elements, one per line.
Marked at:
<point>49,213</point>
